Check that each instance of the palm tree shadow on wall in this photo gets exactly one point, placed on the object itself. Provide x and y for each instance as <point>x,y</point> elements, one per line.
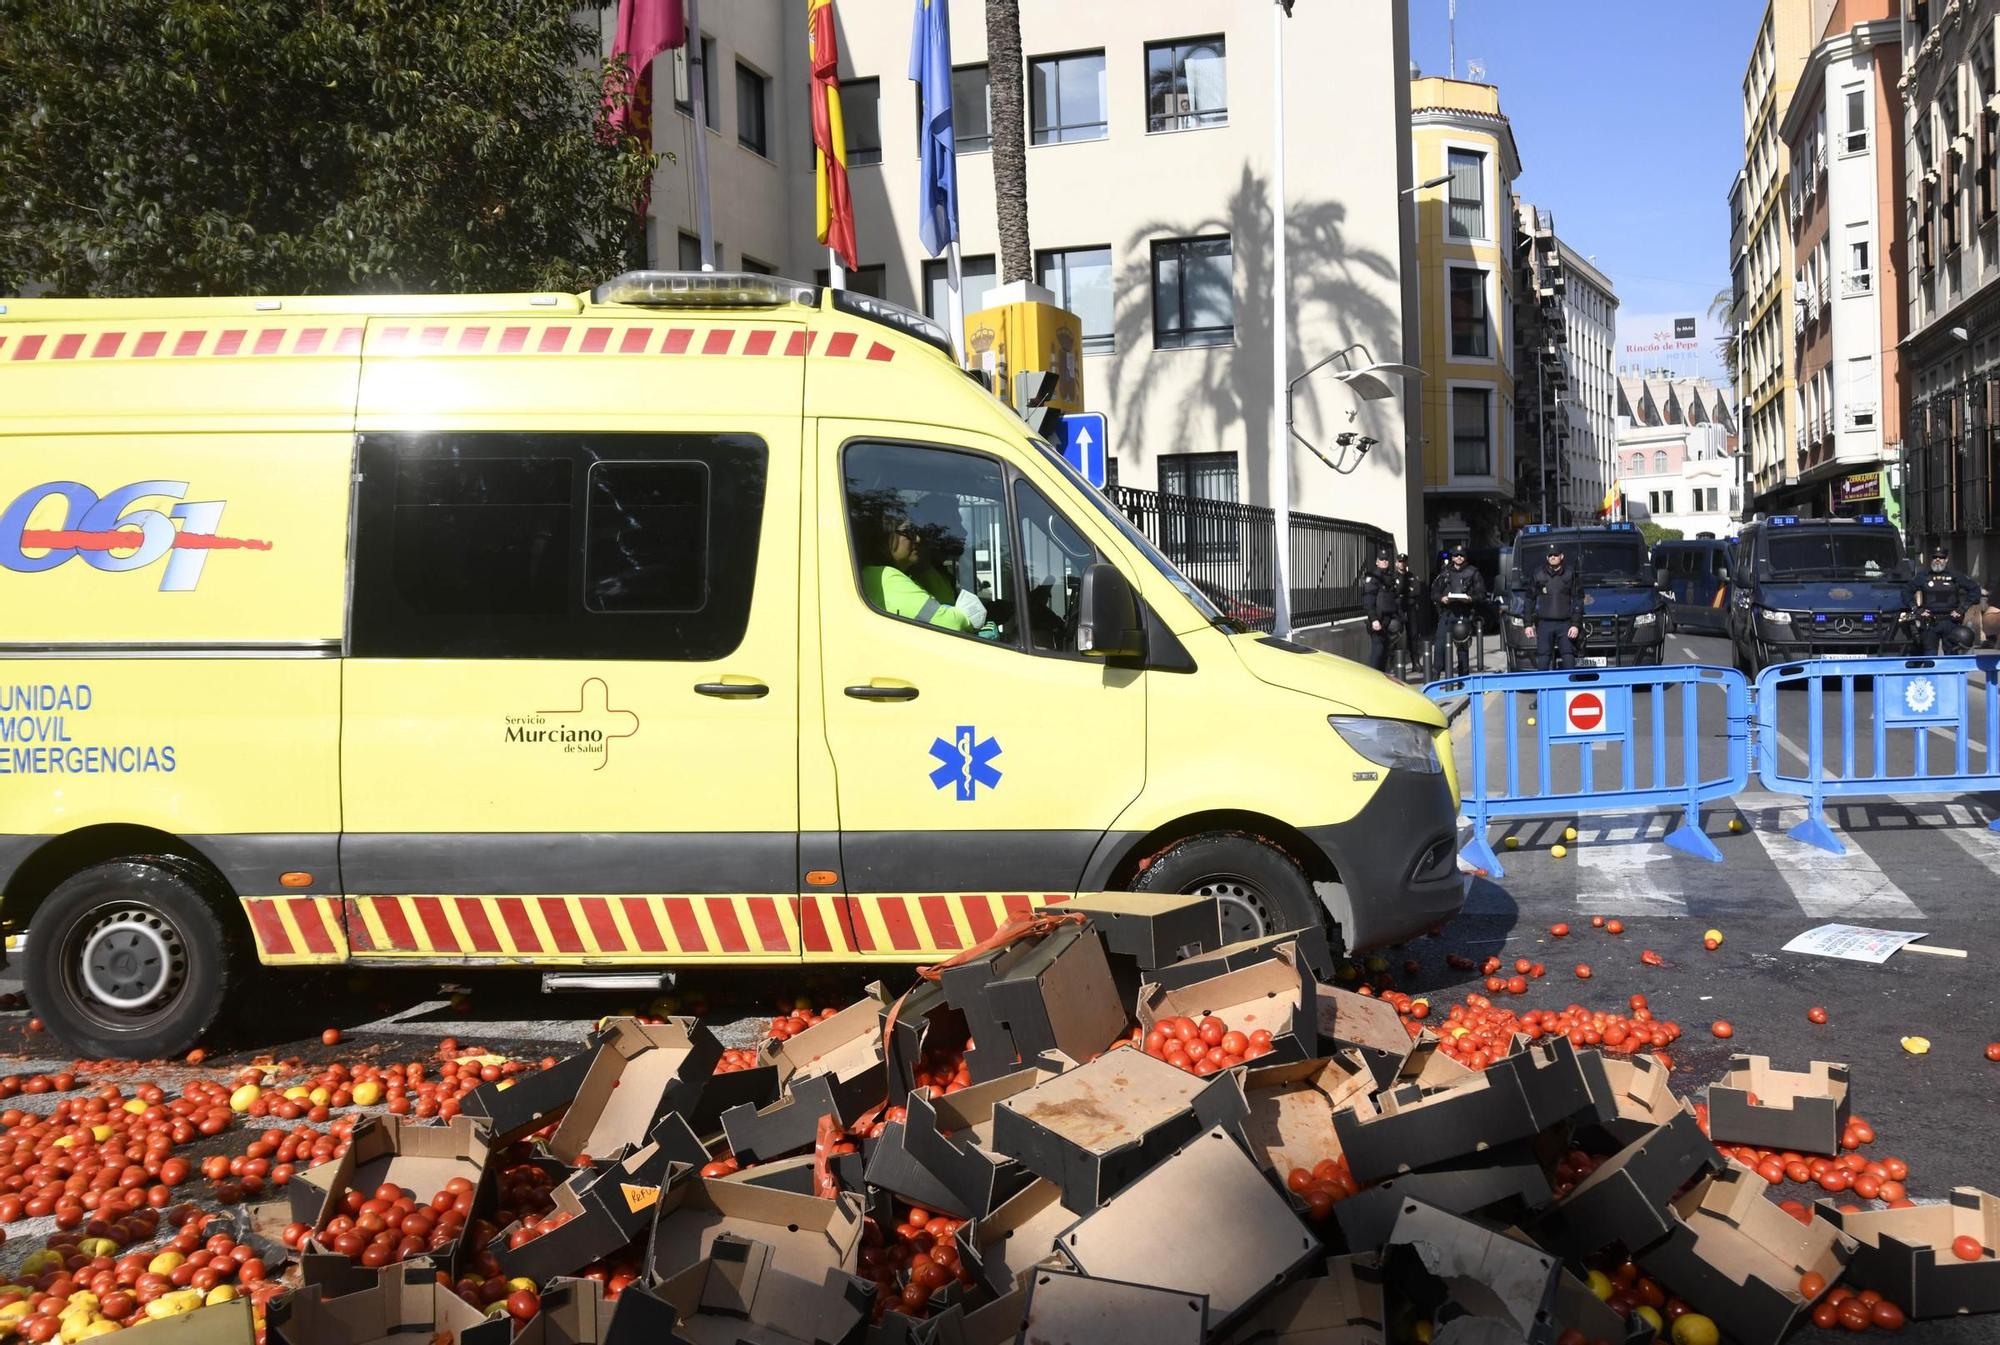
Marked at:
<point>1336,301</point>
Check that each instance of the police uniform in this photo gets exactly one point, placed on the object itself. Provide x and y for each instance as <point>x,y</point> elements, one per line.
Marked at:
<point>1557,598</point>
<point>1460,581</point>
<point>1381,602</point>
<point>1947,595</point>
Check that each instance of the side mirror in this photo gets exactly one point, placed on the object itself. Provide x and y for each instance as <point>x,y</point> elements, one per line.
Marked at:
<point>1108,624</point>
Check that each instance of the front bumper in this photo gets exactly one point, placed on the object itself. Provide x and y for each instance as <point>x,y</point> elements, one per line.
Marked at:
<point>1397,861</point>
<point>1615,641</point>
<point>1787,642</point>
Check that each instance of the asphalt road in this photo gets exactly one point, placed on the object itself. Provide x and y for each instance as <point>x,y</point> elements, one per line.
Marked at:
<point>1920,865</point>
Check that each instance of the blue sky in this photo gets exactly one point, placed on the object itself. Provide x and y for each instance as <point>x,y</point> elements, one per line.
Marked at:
<point>1629,122</point>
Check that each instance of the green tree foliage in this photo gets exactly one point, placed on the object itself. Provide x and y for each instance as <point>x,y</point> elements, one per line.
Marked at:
<point>1655,534</point>
<point>158,147</point>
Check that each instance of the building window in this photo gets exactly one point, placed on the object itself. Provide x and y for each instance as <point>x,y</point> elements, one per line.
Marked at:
<point>861,120</point>
<point>971,109</point>
<point>1066,98</point>
<point>757,268</point>
<point>870,280</point>
<point>1194,302</point>
<point>1856,138</point>
<point>1660,463</point>
<point>688,247</point>
<point>1638,464</point>
<point>1471,432</point>
<point>1190,532</point>
<point>683,90</point>
<point>977,276</point>
<point>491,546</point>
<point>1468,193</point>
<point>1470,338</point>
<point>1199,476</point>
<point>752,109</point>
<point>1187,85</point>
<point>1080,278</point>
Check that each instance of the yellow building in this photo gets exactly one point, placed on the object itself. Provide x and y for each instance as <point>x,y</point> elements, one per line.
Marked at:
<point>1465,259</point>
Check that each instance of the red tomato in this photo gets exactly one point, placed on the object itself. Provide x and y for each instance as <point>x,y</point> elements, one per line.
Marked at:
<point>1559,931</point>
<point>1993,1050</point>
<point>1614,926</point>
<point>1722,1029</point>
<point>1816,1014</point>
<point>523,1304</point>
<point>1967,1248</point>
<point>1583,971</point>
<point>1887,1316</point>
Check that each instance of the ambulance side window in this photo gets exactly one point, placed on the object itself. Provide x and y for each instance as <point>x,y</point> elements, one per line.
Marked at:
<point>1054,556</point>
<point>930,536</point>
<point>567,546</point>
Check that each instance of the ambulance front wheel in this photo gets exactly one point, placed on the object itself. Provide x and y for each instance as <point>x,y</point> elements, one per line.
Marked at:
<point>1258,887</point>
<point>130,959</point>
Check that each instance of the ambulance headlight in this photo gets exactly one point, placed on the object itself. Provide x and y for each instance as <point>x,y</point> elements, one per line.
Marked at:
<point>1394,743</point>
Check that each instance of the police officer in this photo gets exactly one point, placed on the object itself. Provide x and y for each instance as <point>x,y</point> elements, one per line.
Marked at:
<point>1381,604</point>
<point>1410,598</point>
<point>1458,590</point>
<point>1946,595</point>
<point>1556,594</point>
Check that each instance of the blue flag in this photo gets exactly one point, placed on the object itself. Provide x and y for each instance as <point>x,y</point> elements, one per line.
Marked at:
<point>930,67</point>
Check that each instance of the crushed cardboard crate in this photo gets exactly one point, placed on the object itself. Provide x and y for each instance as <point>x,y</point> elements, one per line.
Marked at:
<point>1757,1104</point>
<point>1906,1255</point>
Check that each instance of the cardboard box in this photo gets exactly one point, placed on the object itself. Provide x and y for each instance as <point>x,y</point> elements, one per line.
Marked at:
<point>403,1303</point>
<point>638,1072</point>
<point>576,1312</point>
<point>808,1236</point>
<point>1624,1203</point>
<point>1484,1272</point>
<point>1735,1256</point>
<point>738,1294</point>
<point>609,1206</point>
<point>1069,1309</point>
<point>924,1019</point>
<point>1291,1106</point>
<point>1427,1066</point>
<point>1143,1235</point>
<point>1056,995</point>
<point>1507,1183</point>
<point>952,1138</point>
<point>223,1324</point>
<point>833,1067</point>
<point>1802,1110</point>
<point>1406,1127</point>
<point>797,1174</point>
<point>1631,1095</point>
<point>418,1156</point>
<point>997,1323</point>
<point>1906,1255</point>
<point>1363,1023</point>
<point>1577,1309</point>
<point>892,1168</point>
<point>754,1088</point>
<point>521,1105</point>
<point>1313,950</point>
<point>1341,1307</point>
<point>1095,1129</point>
<point>1003,1246</point>
<point>1275,995</point>
<point>1153,930</point>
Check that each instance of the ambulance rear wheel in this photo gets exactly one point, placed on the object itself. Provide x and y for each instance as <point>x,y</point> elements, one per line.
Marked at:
<point>129,959</point>
<point>1259,889</point>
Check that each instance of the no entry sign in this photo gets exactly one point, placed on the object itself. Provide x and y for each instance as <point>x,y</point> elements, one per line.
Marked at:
<point>1584,711</point>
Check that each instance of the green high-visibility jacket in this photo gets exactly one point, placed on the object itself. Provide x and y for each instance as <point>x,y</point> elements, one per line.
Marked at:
<point>900,594</point>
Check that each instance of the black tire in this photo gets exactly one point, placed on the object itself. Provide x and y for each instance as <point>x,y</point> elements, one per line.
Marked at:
<point>1260,889</point>
<point>130,959</point>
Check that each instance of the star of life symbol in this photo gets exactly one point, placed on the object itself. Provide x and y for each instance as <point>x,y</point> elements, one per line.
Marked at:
<point>1920,694</point>
<point>965,762</point>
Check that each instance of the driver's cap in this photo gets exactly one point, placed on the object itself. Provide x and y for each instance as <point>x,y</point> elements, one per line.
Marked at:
<point>1940,553</point>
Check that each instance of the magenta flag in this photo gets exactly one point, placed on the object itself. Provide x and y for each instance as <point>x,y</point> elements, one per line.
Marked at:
<point>645,29</point>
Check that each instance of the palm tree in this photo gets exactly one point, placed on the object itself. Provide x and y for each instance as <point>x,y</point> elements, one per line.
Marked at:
<point>1010,138</point>
<point>1722,309</point>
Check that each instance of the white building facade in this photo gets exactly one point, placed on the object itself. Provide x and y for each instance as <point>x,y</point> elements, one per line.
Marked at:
<point>1590,309</point>
<point>1150,132</point>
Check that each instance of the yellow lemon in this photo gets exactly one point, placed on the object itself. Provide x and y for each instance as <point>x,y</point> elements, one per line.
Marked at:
<point>1651,1316</point>
<point>1691,1328</point>
<point>367,1093</point>
<point>297,1094</point>
<point>1559,850</point>
<point>135,1106</point>
<point>240,1100</point>
<point>165,1263</point>
<point>101,1133</point>
<point>319,1097</point>
<point>1513,842</point>
<point>221,1293</point>
<point>1569,833</point>
<point>1736,825</point>
<point>1711,936</point>
<point>1600,1284</point>
<point>1917,1045</point>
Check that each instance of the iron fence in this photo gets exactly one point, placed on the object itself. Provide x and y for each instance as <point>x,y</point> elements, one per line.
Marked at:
<point>1228,550</point>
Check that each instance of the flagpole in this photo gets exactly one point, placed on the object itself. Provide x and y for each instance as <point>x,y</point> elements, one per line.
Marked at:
<point>836,274</point>
<point>955,300</point>
<point>698,98</point>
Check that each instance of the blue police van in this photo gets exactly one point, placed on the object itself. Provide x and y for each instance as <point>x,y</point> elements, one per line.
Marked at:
<point>1818,588</point>
<point>1694,574</point>
<point>1624,617</point>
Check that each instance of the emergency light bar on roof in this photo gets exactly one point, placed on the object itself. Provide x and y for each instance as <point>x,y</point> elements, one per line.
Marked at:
<point>893,315</point>
<point>704,289</point>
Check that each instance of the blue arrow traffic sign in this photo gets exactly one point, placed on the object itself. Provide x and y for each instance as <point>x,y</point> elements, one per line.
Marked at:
<point>1084,444</point>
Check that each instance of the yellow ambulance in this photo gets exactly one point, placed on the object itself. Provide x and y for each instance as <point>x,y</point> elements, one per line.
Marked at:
<point>707,618</point>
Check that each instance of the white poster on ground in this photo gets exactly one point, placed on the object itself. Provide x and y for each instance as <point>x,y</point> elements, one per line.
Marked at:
<point>1856,943</point>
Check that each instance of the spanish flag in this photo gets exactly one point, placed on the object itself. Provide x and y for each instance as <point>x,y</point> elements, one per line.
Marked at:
<point>1611,499</point>
<point>836,206</point>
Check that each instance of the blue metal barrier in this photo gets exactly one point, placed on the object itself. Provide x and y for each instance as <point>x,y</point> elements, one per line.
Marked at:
<point>1915,696</point>
<point>1592,708</point>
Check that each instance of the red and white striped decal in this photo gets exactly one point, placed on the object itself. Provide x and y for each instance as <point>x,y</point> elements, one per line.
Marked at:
<point>574,928</point>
